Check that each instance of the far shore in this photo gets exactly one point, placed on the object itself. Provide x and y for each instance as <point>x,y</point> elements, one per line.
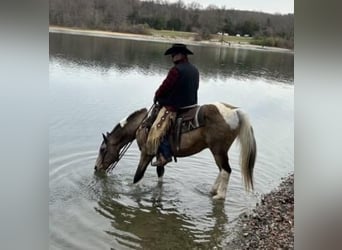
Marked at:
<point>153,38</point>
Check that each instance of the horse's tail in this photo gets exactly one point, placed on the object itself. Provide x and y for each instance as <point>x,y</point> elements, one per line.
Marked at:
<point>248,150</point>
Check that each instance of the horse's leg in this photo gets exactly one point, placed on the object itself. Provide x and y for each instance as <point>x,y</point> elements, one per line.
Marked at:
<point>216,184</point>
<point>143,163</point>
<point>160,172</point>
<point>221,182</point>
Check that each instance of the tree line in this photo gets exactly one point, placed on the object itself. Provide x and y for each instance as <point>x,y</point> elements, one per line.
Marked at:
<point>137,16</point>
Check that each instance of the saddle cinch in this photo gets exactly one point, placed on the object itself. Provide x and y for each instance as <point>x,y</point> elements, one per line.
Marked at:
<point>187,119</point>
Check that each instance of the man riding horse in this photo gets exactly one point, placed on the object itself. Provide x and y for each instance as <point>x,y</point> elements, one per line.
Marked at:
<point>178,91</point>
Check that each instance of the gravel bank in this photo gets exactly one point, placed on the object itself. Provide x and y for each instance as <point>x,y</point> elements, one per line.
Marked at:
<point>271,224</point>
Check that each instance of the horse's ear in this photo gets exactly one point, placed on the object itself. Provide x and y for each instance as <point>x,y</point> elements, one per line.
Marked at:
<point>107,134</point>
<point>105,139</point>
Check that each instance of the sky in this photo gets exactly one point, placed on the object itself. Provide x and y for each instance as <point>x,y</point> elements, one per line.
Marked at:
<point>268,6</point>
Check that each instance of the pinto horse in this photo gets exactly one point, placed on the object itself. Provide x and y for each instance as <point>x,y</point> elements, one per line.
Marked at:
<point>223,123</point>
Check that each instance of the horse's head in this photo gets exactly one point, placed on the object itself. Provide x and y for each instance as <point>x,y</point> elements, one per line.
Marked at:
<point>108,152</point>
<point>113,142</point>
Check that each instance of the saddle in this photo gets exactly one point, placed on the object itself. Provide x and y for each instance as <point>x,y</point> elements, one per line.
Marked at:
<point>187,119</point>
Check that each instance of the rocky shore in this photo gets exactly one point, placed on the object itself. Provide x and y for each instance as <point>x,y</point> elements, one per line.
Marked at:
<point>271,224</point>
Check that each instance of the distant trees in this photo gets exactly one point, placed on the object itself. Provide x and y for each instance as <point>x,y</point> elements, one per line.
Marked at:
<point>137,16</point>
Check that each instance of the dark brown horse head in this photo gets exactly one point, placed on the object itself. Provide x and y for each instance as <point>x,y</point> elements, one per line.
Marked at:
<point>115,141</point>
<point>108,152</point>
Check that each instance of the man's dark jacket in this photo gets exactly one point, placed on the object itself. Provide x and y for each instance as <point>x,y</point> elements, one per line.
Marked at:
<point>184,91</point>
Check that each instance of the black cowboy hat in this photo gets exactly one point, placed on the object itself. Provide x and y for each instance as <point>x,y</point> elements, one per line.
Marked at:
<point>178,48</point>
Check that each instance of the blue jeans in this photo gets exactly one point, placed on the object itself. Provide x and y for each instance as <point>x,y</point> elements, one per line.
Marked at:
<point>165,148</point>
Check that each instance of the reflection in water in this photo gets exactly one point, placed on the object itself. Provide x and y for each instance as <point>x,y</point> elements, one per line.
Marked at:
<point>142,222</point>
<point>212,62</point>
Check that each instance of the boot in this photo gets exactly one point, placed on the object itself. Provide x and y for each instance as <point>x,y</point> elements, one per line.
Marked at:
<point>161,161</point>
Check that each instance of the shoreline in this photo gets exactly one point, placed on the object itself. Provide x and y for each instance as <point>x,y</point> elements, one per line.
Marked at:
<point>161,39</point>
<point>270,225</point>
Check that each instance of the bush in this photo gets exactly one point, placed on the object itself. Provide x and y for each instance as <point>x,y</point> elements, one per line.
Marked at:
<point>273,42</point>
<point>203,34</point>
<point>143,29</point>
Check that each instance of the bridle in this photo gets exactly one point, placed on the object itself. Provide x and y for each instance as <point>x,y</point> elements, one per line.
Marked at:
<point>121,154</point>
<point>126,147</point>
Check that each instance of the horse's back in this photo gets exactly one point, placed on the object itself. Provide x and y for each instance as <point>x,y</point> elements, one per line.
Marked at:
<point>219,106</point>
<point>218,112</point>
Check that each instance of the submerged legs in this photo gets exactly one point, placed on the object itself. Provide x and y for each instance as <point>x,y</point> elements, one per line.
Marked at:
<point>160,172</point>
<point>216,184</point>
<point>219,188</point>
<point>143,163</point>
<point>222,188</point>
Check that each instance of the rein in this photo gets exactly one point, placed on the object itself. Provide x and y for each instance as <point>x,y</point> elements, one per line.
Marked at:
<point>121,154</point>
<point>126,147</point>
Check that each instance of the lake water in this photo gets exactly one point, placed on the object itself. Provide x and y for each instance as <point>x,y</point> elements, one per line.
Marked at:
<point>95,83</point>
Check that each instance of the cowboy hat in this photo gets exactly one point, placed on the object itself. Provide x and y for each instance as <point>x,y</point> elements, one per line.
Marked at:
<point>178,48</point>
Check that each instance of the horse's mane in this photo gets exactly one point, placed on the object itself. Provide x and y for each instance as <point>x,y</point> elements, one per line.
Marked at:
<point>128,119</point>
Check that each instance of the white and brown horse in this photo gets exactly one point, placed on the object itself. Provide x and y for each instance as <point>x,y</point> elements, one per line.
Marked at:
<point>223,123</point>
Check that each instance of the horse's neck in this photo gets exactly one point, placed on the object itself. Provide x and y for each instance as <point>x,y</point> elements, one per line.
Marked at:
<point>133,122</point>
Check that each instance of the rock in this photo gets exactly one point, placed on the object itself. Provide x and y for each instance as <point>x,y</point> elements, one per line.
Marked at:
<point>271,223</point>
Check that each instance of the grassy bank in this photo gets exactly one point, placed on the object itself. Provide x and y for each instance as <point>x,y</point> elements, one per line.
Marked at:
<point>276,42</point>
<point>195,36</point>
<point>169,36</point>
<point>172,34</point>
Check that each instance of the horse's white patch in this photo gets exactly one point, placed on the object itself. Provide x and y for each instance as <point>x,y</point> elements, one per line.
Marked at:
<point>222,188</point>
<point>229,115</point>
<point>123,122</point>
<point>216,184</point>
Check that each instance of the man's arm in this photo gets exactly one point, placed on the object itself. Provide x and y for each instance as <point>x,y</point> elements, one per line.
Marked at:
<point>168,84</point>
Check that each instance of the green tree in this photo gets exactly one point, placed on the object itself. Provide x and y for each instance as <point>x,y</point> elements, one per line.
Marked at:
<point>174,24</point>
<point>228,26</point>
